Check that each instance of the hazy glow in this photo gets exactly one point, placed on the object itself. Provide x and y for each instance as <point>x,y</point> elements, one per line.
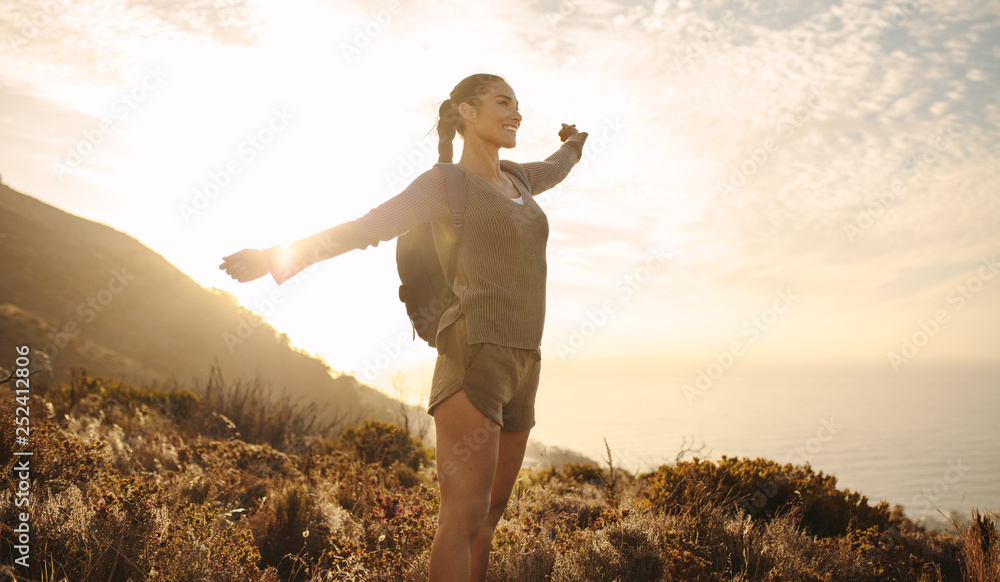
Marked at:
<point>278,116</point>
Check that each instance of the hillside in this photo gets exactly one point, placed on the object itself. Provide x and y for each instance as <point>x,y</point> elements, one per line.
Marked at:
<point>84,295</point>
<point>88,296</point>
<point>124,489</point>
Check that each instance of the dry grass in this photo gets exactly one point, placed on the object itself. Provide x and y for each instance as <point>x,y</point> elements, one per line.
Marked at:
<point>980,548</point>
<point>220,483</point>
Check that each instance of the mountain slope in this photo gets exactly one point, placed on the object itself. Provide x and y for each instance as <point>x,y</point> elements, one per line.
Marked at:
<point>86,295</point>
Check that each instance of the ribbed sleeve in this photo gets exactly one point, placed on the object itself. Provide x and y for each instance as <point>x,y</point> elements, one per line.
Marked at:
<point>554,169</point>
<point>424,200</point>
<point>500,276</point>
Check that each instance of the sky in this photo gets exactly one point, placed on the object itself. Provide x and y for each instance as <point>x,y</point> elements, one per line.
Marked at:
<point>768,187</point>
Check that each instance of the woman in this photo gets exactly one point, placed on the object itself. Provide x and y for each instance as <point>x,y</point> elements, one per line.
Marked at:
<point>483,390</point>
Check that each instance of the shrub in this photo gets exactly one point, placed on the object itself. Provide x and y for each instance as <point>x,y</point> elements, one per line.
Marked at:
<point>281,526</point>
<point>583,473</point>
<point>156,501</point>
<point>980,548</point>
<point>119,397</point>
<point>385,444</point>
<point>106,532</point>
<point>764,489</point>
<point>199,546</point>
<point>249,410</point>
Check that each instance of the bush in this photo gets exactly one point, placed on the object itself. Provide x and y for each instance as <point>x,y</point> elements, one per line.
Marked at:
<point>123,492</point>
<point>765,489</point>
<point>118,400</point>
<point>282,526</point>
<point>199,546</point>
<point>251,412</point>
<point>386,444</point>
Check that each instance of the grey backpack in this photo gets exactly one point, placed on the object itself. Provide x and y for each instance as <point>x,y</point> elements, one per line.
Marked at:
<point>426,277</point>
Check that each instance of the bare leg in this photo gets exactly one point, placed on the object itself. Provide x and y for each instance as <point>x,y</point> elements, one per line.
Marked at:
<point>512,445</point>
<point>467,450</point>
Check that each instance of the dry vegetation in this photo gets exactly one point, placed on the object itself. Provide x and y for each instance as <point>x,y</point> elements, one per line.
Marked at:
<point>222,483</point>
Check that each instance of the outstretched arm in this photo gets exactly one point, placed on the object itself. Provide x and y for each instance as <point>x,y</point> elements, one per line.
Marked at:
<point>245,265</point>
<point>424,200</point>
<point>554,169</point>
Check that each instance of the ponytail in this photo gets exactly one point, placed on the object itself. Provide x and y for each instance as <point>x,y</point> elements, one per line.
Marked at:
<point>446,128</point>
<point>449,122</point>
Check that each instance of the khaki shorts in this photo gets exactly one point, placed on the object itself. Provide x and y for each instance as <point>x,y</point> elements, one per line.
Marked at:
<point>499,381</point>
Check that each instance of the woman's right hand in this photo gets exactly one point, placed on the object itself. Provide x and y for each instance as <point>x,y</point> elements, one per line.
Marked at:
<point>567,132</point>
<point>246,265</point>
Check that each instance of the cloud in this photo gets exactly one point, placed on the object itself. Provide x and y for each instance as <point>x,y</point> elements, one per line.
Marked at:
<point>716,80</point>
<point>816,109</point>
<point>89,42</point>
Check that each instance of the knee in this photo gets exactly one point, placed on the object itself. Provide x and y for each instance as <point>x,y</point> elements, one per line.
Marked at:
<point>497,509</point>
<point>468,519</point>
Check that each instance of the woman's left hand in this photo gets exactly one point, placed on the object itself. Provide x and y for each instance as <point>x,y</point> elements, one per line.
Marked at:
<point>567,131</point>
<point>245,265</point>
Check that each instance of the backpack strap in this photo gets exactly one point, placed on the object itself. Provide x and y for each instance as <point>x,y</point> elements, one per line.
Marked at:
<point>517,171</point>
<point>457,197</point>
<point>455,182</point>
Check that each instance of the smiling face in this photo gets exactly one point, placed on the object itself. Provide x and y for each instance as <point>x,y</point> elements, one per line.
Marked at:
<point>497,119</point>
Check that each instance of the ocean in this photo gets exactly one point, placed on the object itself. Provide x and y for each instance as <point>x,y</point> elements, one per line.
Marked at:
<point>931,445</point>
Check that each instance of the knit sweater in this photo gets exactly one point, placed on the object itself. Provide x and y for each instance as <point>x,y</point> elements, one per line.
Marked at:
<point>500,275</point>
